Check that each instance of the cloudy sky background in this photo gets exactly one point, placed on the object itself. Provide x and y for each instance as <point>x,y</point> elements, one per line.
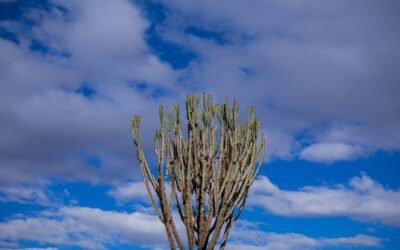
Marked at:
<point>324,77</point>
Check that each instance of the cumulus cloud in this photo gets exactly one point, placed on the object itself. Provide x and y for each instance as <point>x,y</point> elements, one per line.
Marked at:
<point>89,228</point>
<point>306,66</point>
<point>327,152</point>
<point>51,128</point>
<point>362,199</point>
<point>92,228</point>
<point>293,241</point>
<point>330,70</point>
<point>316,74</point>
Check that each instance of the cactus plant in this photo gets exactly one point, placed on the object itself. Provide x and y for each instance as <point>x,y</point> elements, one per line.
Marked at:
<point>209,171</point>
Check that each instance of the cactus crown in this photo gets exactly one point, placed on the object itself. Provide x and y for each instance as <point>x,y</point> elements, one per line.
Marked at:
<point>209,171</point>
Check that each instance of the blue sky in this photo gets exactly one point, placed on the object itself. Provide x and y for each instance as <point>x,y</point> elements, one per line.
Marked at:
<point>323,76</point>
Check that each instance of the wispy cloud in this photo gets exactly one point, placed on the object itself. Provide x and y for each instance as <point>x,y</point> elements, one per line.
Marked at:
<point>362,199</point>
<point>133,192</point>
<point>247,235</point>
<point>23,194</point>
<point>293,241</point>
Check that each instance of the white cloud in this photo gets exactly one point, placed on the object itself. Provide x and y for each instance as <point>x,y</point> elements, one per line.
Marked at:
<point>248,236</point>
<point>135,191</point>
<point>363,199</point>
<point>31,248</point>
<point>293,241</point>
<point>313,71</point>
<point>23,194</point>
<point>303,71</point>
<point>328,152</point>
<point>92,228</point>
<point>49,130</point>
<point>89,228</point>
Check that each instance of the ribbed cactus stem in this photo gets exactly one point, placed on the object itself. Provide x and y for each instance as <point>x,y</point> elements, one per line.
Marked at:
<point>209,171</point>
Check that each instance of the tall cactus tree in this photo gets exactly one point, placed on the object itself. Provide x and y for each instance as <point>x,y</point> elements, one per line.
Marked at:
<point>209,172</point>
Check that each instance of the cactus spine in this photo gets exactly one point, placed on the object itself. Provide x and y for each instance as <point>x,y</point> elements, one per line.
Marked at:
<point>209,172</point>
